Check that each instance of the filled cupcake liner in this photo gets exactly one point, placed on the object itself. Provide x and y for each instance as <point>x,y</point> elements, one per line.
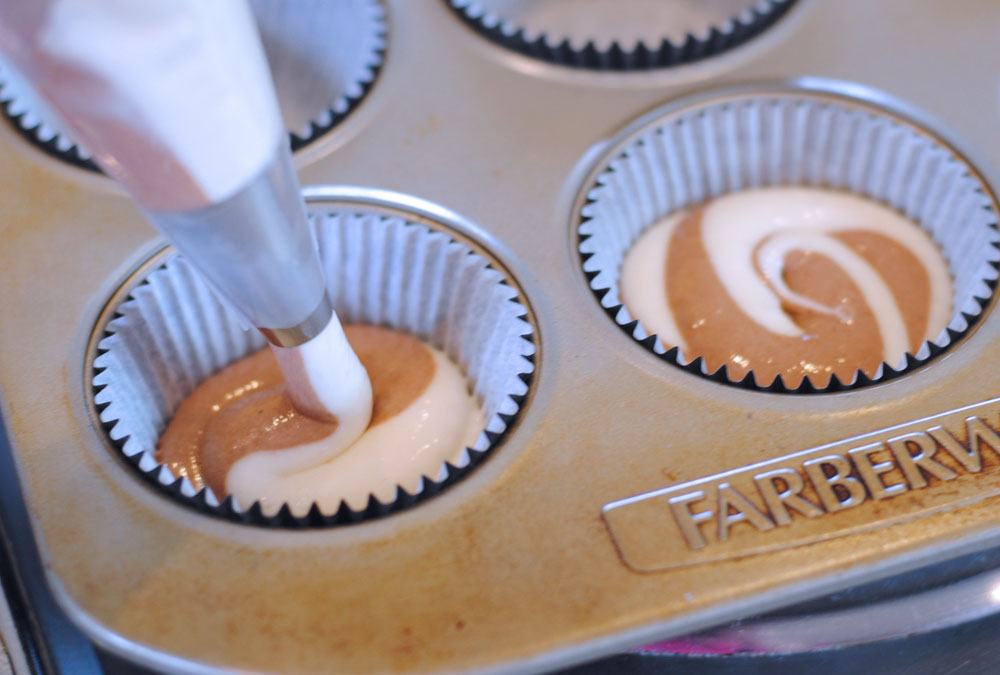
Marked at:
<point>172,332</point>
<point>690,40</point>
<point>790,138</point>
<point>324,59</point>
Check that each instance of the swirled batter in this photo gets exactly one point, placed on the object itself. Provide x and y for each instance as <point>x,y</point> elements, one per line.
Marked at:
<point>797,282</point>
<point>240,434</point>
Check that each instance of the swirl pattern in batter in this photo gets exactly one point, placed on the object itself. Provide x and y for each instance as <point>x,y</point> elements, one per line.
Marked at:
<point>797,282</point>
<point>240,434</point>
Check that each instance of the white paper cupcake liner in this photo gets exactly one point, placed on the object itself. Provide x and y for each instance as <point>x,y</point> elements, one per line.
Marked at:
<point>172,332</point>
<point>36,123</point>
<point>801,137</point>
<point>612,36</point>
<point>324,58</point>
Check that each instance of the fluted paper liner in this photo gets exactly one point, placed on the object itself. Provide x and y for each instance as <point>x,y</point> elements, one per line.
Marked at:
<point>36,123</point>
<point>324,58</point>
<point>496,20</point>
<point>805,138</point>
<point>173,332</point>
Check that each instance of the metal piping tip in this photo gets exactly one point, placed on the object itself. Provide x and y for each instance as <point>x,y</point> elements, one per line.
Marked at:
<point>304,331</point>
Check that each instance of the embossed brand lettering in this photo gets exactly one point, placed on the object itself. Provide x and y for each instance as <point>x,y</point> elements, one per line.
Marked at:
<point>896,474</point>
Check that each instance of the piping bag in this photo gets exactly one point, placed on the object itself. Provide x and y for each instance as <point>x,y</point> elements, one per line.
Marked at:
<point>175,100</point>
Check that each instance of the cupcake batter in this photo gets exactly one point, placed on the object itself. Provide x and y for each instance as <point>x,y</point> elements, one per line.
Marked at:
<point>791,281</point>
<point>240,434</point>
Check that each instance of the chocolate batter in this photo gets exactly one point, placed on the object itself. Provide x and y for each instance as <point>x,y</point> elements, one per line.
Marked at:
<point>245,408</point>
<point>714,327</point>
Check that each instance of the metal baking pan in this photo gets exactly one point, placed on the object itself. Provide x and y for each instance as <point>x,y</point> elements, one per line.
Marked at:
<point>514,568</point>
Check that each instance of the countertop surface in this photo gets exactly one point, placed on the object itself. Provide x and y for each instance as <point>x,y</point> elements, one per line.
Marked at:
<point>8,635</point>
<point>4,662</point>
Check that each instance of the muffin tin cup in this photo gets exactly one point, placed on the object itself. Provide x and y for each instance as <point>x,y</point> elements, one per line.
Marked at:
<point>324,58</point>
<point>497,21</point>
<point>788,136</point>
<point>171,332</point>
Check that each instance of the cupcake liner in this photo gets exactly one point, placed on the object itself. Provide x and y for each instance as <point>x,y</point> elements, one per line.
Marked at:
<point>171,332</point>
<point>36,123</point>
<point>324,59</point>
<point>790,137</point>
<point>612,36</point>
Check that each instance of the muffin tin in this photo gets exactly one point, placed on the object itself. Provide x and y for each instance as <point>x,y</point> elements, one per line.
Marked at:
<point>536,559</point>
